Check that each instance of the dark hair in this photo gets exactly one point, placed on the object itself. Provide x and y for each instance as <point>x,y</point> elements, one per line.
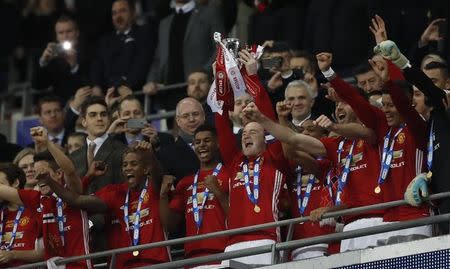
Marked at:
<point>46,157</point>
<point>278,46</point>
<point>363,93</point>
<point>77,134</point>
<point>129,98</point>
<point>49,99</point>
<point>12,173</point>
<point>405,86</point>
<point>361,69</point>
<point>205,128</point>
<point>94,100</point>
<point>201,70</point>
<point>131,4</point>
<point>67,18</point>
<point>437,65</point>
<point>308,56</point>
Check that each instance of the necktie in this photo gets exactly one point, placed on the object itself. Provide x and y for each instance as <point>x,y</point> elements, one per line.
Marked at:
<point>90,153</point>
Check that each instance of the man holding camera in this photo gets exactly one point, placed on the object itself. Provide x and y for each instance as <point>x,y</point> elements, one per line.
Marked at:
<point>62,65</point>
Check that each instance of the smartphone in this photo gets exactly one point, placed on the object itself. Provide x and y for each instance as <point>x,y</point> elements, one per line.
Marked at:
<point>272,63</point>
<point>136,123</point>
<point>100,166</point>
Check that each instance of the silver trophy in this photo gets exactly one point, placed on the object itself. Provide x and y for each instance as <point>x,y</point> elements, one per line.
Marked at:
<point>233,45</point>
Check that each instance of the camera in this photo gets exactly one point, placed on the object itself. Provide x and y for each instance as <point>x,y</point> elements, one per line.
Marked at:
<point>291,75</point>
<point>61,48</point>
<point>136,123</point>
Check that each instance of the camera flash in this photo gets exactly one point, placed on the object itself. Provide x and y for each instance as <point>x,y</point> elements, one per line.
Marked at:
<point>66,45</point>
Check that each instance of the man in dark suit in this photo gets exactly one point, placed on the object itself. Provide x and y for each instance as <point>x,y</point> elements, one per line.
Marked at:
<point>63,65</point>
<point>124,56</point>
<point>98,147</point>
<point>185,44</point>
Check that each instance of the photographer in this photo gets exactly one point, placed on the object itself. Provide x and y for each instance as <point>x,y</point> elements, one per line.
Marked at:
<point>61,65</point>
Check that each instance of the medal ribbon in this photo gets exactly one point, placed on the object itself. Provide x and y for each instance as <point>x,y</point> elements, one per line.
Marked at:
<point>388,152</point>
<point>8,246</point>
<point>302,203</point>
<point>255,195</point>
<point>197,216</point>
<point>60,218</point>
<point>137,216</point>
<point>430,147</point>
<point>346,171</point>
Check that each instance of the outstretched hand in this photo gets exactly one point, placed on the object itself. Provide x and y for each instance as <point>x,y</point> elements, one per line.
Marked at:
<point>97,169</point>
<point>39,135</point>
<point>431,33</point>
<point>284,109</point>
<point>378,29</point>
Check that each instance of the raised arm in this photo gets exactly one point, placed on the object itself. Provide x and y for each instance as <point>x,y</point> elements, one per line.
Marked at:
<point>349,130</point>
<point>169,218</point>
<point>90,203</point>
<point>285,134</point>
<point>73,182</point>
<point>227,141</point>
<point>10,194</point>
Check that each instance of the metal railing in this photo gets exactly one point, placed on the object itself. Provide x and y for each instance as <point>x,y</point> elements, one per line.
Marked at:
<point>269,248</point>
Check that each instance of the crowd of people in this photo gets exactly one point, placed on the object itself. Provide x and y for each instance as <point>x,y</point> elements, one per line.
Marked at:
<point>300,141</point>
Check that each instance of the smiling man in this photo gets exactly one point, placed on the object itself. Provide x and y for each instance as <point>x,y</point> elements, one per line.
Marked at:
<point>98,146</point>
<point>201,198</point>
<point>135,203</point>
<point>299,95</point>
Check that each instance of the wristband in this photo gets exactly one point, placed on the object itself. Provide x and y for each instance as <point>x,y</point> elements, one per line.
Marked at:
<point>328,73</point>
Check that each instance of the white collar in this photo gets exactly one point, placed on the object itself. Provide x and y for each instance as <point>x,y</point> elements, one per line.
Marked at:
<point>60,136</point>
<point>236,129</point>
<point>126,32</point>
<point>188,7</point>
<point>299,123</point>
<point>98,142</point>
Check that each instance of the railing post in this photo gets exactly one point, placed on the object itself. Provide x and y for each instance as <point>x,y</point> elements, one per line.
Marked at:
<point>274,254</point>
<point>112,263</point>
<point>288,238</point>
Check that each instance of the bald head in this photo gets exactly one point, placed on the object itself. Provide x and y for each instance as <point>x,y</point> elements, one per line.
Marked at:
<point>189,115</point>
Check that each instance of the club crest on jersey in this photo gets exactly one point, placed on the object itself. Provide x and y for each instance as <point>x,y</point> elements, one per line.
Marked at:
<point>24,221</point>
<point>401,138</point>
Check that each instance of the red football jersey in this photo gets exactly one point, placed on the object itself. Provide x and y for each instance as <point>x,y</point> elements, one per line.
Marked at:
<point>150,231</point>
<point>241,212</point>
<point>28,231</point>
<point>319,197</point>
<point>76,228</point>
<point>213,216</point>
<point>363,177</point>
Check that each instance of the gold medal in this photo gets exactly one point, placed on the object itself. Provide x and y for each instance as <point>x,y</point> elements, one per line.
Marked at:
<point>257,209</point>
<point>135,253</point>
<point>377,189</point>
<point>429,174</point>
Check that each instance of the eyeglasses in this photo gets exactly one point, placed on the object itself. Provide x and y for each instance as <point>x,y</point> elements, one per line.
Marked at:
<point>186,116</point>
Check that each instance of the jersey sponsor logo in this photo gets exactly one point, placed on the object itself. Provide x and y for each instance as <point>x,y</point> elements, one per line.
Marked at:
<point>398,154</point>
<point>7,236</point>
<point>356,158</point>
<point>240,175</point>
<point>401,138</point>
<point>397,165</point>
<point>144,213</point>
<point>361,166</point>
<point>141,224</point>
<point>200,198</point>
<point>207,207</point>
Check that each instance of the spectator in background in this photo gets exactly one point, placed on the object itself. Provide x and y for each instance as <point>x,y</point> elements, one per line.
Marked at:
<point>51,116</point>
<point>189,115</point>
<point>98,146</point>
<point>198,88</point>
<point>431,57</point>
<point>438,73</point>
<point>366,78</point>
<point>130,108</point>
<point>63,65</point>
<point>9,21</point>
<point>185,44</point>
<point>299,95</point>
<point>25,161</point>
<point>124,56</point>
<point>75,141</point>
